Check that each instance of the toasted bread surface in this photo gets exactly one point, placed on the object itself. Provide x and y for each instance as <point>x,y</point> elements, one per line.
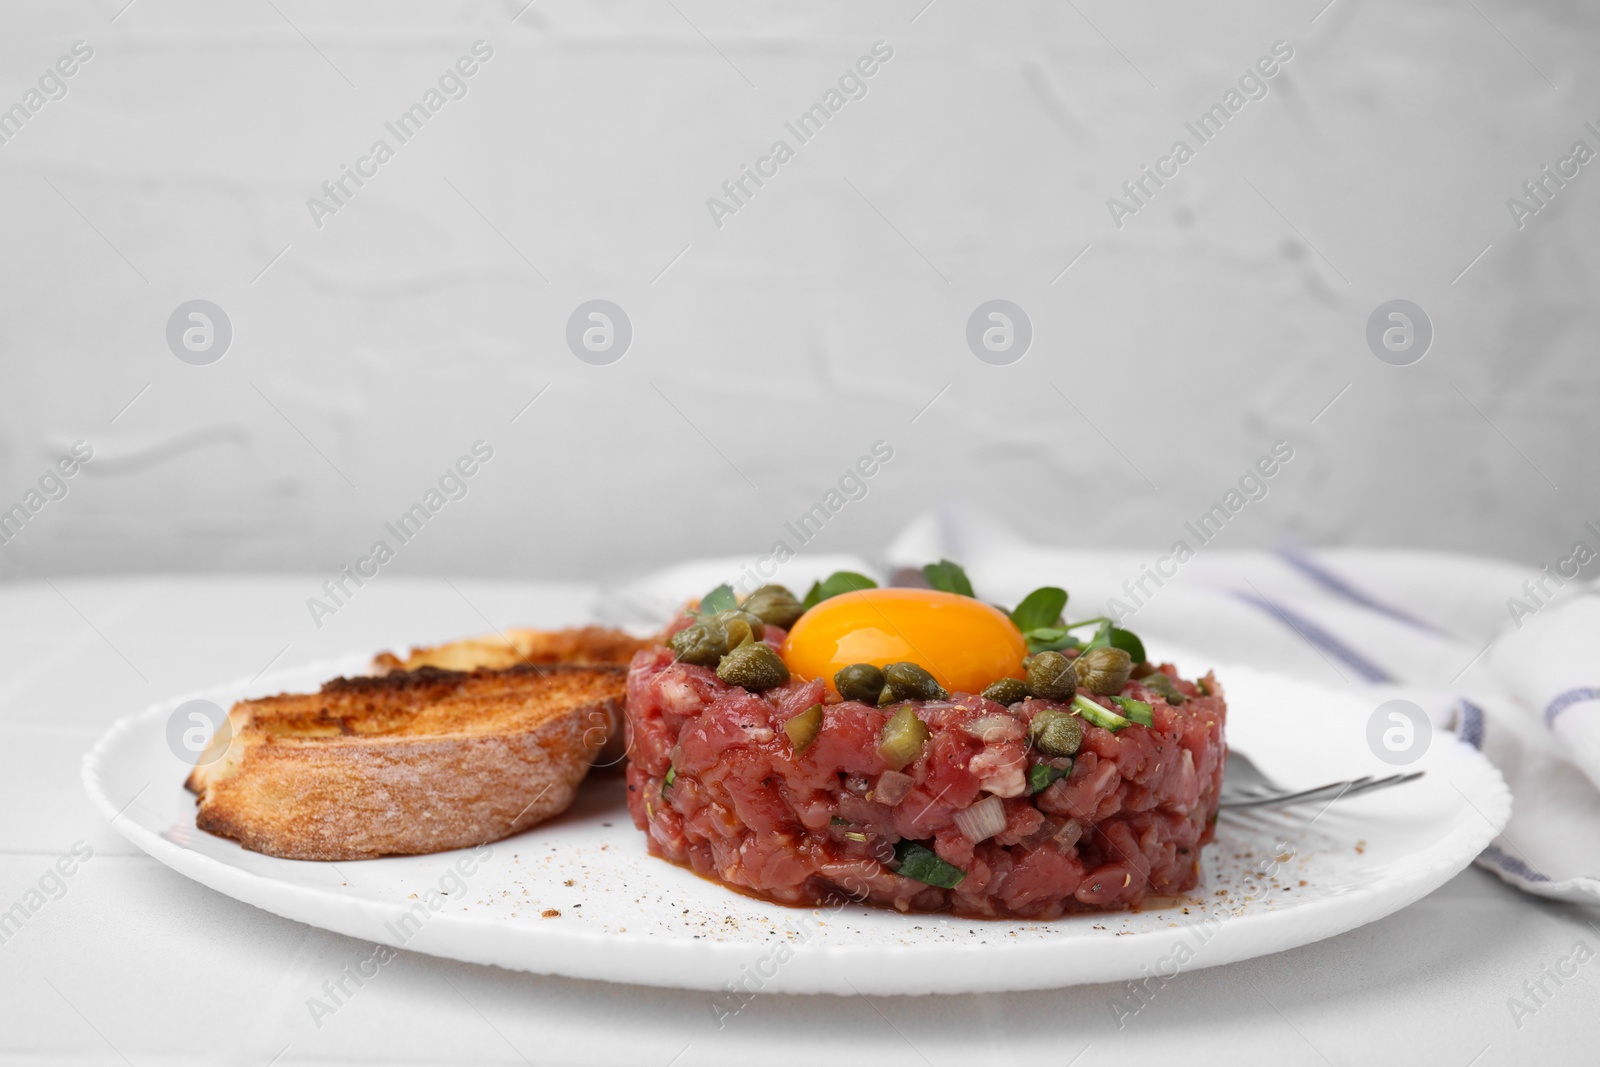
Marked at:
<point>412,762</point>
<point>588,645</point>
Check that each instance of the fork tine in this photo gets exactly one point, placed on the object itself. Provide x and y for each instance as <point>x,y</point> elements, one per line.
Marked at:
<point>1281,799</point>
<point>1384,783</point>
<point>1340,790</point>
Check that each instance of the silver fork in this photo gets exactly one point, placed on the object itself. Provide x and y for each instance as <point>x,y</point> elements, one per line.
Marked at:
<point>1246,786</point>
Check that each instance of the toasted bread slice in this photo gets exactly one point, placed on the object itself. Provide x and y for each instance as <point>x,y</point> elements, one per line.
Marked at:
<point>410,762</point>
<point>588,645</point>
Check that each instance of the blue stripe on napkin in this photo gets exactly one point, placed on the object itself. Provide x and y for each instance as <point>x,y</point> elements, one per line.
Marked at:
<point>1301,561</point>
<point>1566,700</point>
<point>1469,726</point>
<point>1320,638</point>
<point>1511,865</point>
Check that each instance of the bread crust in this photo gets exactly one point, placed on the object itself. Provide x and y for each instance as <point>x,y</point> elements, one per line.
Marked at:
<point>406,763</point>
<point>586,645</point>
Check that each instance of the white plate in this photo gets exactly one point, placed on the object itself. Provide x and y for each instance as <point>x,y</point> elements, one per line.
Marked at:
<point>1270,883</point>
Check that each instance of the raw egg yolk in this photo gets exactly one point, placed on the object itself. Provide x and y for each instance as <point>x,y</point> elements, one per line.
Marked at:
<point>964,643</point>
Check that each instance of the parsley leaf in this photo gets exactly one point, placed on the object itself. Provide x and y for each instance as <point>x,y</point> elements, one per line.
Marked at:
<point>1049,639</point>
<point>1040,609</point>
<point>719,599</point>
<point>1116,637</point>
<point>947,577</point>
<point>836,583</point>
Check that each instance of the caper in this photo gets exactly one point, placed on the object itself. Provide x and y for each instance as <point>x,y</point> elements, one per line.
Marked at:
<point>774,605</point>
<point>1103,670</point>
<point>753,666</point>
<point>907,681</point>
<point>703,644</point>
<point>860,681</point>
<point>739,633</point>
<point>727,618</point>
<point>1006,691</point>
<point>1050,676</point>
<point>1158,681</point>
<point>1056,732</point>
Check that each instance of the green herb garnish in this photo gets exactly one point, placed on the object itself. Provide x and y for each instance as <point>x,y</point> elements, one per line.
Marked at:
<point>1040,609</point>
<point>666,783</point>
<point>719,599</point>
<point>920,862</point>
<point>1136,710</point>
<point>837,821</point>
<point>947,577</point>
<point>1041,776</point>
<point>1116,637</point>
<point>1049,639</point>
<point>1039,619</point>
<point>836,583</point>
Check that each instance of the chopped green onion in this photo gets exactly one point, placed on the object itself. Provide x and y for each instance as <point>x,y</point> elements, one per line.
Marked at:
<point>918,861</point>
<point>1098,715</point>
<point>839,821</point>
<point>1040,609</point>
<point>903,737</point>
<point>719,599</point>
<point>1041,776</point>
<point>836,583</point>
<point>1205,690</point>
<point>948,577</point>
<point>666,783</point>
<point>855,835</point>
<point>1136,710</point>
<point>804,727</point>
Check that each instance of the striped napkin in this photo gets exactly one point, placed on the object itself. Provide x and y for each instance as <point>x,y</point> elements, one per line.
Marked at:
<point>1509,668</point>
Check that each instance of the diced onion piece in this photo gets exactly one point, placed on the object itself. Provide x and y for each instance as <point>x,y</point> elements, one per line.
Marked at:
<point>983,820</point>
<point>804,727</point>
<point>995,728</point>
<point>903,737</point>
<point>860,811</point>
<point>1068,835</point>
<point>892,787</point>
<point>1046,832</point>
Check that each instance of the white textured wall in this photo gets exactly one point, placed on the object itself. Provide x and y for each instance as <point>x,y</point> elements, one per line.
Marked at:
<point>821,318</point>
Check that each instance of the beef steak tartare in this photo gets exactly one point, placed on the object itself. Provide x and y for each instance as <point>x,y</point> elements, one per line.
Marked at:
<point>1084,779</point>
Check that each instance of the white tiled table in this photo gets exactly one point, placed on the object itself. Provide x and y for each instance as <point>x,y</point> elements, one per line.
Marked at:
<point>136,964</point>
